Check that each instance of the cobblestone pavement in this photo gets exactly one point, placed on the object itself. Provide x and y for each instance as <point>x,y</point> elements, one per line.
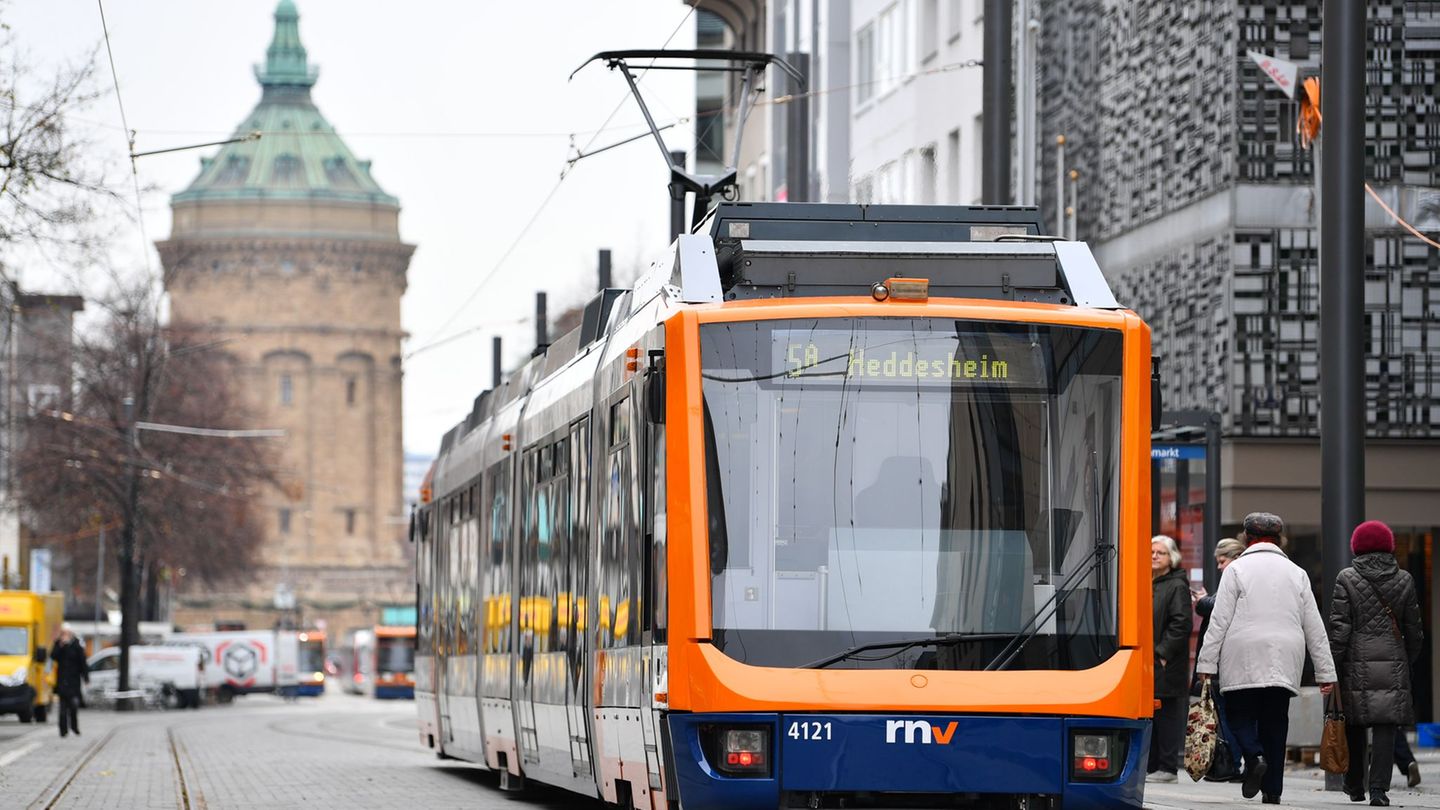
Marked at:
<point>344,751</point>
<point>1304,788</point>
<point>337,751</point>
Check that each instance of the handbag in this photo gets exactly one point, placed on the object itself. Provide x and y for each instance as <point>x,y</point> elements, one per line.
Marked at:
<point>1222,765</point>
<point>1201,734</point>
<point>1334,750</point>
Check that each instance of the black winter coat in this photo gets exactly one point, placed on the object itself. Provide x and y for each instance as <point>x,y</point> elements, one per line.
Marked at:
<point>1373,664</point>
<point>70,668</point>
<point>1204,607</point>
<point>1171,593</point>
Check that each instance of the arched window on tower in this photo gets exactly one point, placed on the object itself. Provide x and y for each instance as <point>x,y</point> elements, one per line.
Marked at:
<point>287,390</point>
<point>234,171</point>
<point>286,170</point>
<point>350,390</point>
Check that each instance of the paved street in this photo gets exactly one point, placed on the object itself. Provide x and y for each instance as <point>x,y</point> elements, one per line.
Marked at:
<point>343,751</point>
<point>1303,788</point>
<point>338,751</point>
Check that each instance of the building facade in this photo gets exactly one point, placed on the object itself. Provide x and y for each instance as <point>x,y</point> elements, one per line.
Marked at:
<point>894,96</point>
<point>36,376</point>
<point>1201,205</point>
<point>285,248</point>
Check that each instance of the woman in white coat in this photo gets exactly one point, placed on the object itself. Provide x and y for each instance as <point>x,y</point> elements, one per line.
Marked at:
<point>1264,621</point>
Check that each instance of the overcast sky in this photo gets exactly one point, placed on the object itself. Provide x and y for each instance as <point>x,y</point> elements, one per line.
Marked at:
<point>462,105</point>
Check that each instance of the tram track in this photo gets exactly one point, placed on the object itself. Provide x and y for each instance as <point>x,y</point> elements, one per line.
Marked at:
<point>281,727</point>
<point>55,791</point>
<point>190,797</point>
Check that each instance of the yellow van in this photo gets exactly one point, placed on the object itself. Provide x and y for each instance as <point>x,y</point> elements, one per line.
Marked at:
<point>28,624</point>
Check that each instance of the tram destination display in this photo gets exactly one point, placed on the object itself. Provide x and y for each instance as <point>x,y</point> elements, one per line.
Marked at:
<point>889,357</point>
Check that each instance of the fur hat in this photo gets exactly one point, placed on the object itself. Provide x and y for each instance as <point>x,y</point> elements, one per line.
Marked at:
<point>1260,526</point>
<point>1372,535</point>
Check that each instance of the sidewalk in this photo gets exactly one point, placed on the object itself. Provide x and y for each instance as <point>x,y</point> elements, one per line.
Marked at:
<point>1304,787</point>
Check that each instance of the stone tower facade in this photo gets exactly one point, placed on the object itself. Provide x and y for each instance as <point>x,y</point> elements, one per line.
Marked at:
<point>288,250</point>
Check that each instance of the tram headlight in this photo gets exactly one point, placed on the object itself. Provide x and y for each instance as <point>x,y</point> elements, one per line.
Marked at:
<point>1096,755</point>
<point>737,751</point>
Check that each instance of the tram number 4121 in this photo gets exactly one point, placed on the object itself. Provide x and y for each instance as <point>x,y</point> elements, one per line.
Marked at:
<point>801,730</point>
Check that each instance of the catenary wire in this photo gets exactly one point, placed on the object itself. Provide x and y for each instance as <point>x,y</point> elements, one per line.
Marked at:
<point>439,333</point>
<point>130,144</point>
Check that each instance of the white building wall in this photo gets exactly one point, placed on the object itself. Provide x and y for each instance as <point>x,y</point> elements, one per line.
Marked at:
<point>915,107</point>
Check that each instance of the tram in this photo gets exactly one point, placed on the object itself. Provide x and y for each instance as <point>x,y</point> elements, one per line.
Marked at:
<point>840,505</point>
<point>310,669</point>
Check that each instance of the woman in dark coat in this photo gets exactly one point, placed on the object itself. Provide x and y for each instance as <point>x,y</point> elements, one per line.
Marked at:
<point>1172,657</point>
<point>1375,634</point>
<point>70,671</point>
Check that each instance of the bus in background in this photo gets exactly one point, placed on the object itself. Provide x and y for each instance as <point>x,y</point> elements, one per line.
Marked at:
<point>310,664</point>
<point>394,663</point>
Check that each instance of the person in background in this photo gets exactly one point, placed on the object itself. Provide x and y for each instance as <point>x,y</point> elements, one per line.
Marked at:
<point>1375,634</point>
<point>70,672</point>
<point>1405,759</point>
<point>1264,621</point>
<point>1172,641</point>
<point>1226,552</point>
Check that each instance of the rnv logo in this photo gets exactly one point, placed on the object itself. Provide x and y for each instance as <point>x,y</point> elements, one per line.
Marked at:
<point>918,732</point>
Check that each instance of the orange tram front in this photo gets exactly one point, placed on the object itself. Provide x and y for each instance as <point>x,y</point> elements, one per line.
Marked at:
<point>839,504</point>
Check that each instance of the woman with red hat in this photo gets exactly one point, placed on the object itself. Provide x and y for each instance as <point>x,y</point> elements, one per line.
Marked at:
<point>1375,634</point>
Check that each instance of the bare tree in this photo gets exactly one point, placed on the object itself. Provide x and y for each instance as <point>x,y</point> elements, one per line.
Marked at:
<point>48,190</point>
<point>181,501</point>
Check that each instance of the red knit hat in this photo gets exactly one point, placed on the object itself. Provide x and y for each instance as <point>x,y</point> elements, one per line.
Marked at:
<point>1372,535</point>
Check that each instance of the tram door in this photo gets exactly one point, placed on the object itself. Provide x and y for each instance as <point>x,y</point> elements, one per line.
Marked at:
<point>535,531</point>
<point>574,606</point>
<point>445,618</point>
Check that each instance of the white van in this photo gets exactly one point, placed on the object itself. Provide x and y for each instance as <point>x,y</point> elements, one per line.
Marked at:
<point>175,672</point>
<point>240,662</point>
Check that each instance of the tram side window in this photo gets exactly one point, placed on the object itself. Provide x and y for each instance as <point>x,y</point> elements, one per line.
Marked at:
<point>469,574</point>
<point>497,580</point>
<point>620,599</point>
<point>578,604</point>
<point>556,557</point>
<point>424,545</point>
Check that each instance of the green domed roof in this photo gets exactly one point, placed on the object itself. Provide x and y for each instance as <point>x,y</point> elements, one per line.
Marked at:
<point>298,155</point>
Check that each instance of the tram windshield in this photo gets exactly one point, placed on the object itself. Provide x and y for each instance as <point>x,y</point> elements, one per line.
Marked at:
<point>874,482</point>
<point>312,656</point>
<point>394,654</point>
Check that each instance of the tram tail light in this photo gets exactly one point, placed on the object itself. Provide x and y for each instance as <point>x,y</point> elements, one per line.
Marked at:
<point>1096,756</point>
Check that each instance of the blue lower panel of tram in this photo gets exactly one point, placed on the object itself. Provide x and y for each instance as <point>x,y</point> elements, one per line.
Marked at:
<point>814,755</point>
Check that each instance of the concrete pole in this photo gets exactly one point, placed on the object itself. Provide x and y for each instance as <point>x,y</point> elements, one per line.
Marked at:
<point>1025,102</point>
<point>1060,185</point>
<point>1073,211</point>
<point>542,324</point>
<point>995,175</point>
<point>1342,291</point>
<point>129,598</point>
<point>605,268</point>
<point>677,198</point>
<point>797,133</point>
<point>495,362</point>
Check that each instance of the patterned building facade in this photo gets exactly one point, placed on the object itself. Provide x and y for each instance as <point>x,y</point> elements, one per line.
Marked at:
<point>1202,207</point>
<point>287,250</point>
<point>1195,189</point>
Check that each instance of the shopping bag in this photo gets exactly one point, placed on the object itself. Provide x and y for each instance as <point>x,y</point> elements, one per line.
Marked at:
<point>1201,734</point>
<point>1334,750</point>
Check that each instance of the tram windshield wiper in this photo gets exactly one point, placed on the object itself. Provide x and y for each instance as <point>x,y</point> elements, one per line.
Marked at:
<point>901,645</point>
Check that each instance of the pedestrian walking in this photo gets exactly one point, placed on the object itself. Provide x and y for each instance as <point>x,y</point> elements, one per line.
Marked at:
<point>1375,634</point>
<point>1171,605</point>
<point>1405,761</point>
<point>70,672</point>
<point>1226,552</point>
<point>1264,621</point>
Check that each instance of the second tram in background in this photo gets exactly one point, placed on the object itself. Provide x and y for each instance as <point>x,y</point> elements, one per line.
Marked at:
<point>378,662</point>
<point>839,506</point>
